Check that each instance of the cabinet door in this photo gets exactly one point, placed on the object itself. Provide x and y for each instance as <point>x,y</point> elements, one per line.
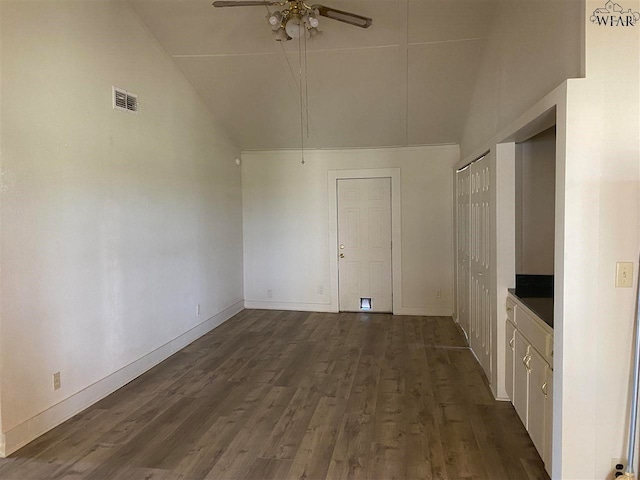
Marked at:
<point>537,399</point>
<point>509,357</point>
<point>521,377</point>
<point>548,422</point>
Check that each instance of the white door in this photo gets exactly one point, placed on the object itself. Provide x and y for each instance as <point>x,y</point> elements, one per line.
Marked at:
<point>364,244</point>
<point>463,179</point>
<point>480,306</point>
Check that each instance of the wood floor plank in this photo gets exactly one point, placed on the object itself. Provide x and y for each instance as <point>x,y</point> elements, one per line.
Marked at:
<point>352,450</point>
<point>286,436</point>
<point>314,454</point>
<point>296,395</point>
<point>241,453</point>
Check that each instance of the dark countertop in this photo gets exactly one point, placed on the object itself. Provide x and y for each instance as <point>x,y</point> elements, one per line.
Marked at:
<point>541,306</point>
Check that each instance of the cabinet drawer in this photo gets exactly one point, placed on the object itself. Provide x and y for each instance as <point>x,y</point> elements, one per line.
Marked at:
<point>511,310</point>
<point>539,338</point>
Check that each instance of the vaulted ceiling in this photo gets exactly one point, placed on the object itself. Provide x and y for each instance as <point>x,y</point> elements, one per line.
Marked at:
<point>406,80</point>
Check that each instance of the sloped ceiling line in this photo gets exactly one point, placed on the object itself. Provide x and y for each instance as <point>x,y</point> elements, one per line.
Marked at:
<point>403,52</point>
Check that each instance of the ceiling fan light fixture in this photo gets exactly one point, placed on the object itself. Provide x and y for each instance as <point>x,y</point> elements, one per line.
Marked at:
<point>281,35</point>
<point>275,19</point>
<point>314,32</point>
<point>311,21</point>
<point>295,27</point>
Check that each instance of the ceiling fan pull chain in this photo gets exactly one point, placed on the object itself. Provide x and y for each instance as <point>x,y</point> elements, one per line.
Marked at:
<point>306,83</point>
<point>301,97</point>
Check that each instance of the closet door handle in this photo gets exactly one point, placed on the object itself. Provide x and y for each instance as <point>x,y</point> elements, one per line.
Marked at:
<point>544,388</point>
<point>527,362</point>
<point>511,342</point>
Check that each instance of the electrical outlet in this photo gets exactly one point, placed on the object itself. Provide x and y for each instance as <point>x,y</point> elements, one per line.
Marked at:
<point>269,293</point>
<point>320,289</point>
<point>56,381</point>
<point>438,293</point>
<point>198,309</point>
<point>617,465</point>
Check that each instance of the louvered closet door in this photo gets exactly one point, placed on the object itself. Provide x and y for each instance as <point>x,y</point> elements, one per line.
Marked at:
<point>463,179</point>
<point>480,298</point>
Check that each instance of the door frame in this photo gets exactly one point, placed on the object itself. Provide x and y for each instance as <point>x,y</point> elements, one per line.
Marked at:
<point>396,233</point>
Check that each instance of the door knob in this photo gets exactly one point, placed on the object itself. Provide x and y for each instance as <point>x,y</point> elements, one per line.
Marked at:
<point>341,255</point>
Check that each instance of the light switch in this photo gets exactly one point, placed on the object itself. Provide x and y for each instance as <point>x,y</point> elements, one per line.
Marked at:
<point>624,274</point>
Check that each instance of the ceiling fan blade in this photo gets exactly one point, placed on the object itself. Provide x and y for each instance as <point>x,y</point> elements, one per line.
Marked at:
<point>243,3</point>
<point>341,16</point>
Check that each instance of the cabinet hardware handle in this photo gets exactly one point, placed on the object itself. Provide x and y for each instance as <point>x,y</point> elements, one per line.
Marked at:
<point>544,388</point>
<point>511,342</point>
<point>524,359</point>
<point>528,362</point>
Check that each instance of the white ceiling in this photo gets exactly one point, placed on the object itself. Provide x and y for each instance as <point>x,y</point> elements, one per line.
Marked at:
<point>406,80</point>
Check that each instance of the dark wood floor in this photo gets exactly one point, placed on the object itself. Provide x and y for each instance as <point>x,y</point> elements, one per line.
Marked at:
<point>275,395</point>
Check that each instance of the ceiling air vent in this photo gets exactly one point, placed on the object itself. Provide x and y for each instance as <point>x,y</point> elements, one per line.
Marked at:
<point>125,101</point>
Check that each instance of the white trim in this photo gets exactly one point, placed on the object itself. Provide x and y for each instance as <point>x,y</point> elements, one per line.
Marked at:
<point>505,257</point>
<point>294,306</point>
<point>533,121</point>
<point>396,227</point>
<point>426,311</point>
<point>320,151</point>
<point>41,423</point>
<point>327,307</point>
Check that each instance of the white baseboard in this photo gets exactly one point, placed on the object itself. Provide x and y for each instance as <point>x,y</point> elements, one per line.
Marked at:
<point>41,423</point>
<point>301,307</point>
<point>327,307</point>
<point>426,311</point>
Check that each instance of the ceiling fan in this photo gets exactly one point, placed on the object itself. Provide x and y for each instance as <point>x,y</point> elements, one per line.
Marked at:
<point>297,17</point>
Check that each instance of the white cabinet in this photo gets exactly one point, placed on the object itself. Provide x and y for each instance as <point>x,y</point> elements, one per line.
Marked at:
<point>510,339</point>
<point>548,420</point>
<point>521,377</point>
<point>537,399</point>
<point>529,375</point>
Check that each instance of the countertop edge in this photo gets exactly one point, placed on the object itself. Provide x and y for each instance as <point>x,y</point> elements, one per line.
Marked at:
<point>547,322</point>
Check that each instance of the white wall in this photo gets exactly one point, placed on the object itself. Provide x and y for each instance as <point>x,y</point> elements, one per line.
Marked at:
<point>114,226</point>
<point>286,230</point>
<point>532,47</point>
<point>601,227</point>
<point>535,204</point>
